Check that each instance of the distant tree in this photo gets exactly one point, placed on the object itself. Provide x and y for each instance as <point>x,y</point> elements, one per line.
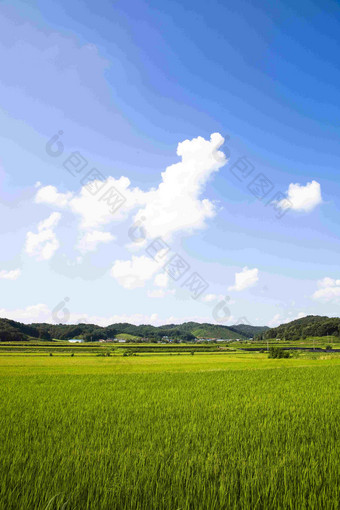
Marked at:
<point>277,352</point>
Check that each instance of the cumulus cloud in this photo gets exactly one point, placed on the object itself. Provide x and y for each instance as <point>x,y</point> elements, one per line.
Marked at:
<point>50,195</point>
<point>161,280</point>
<point>159,293</point>
<point>275,321</point>
<point>135,272</point>
<point>10,275</point>
<point>302,198</point>
<point>42,313</point>
<point>328,291</point>
<point>176,205</point>
<point>278,319</point>
<point>209,298</point>
<point>90,240</point>
<point>245,279</point>
<point>43,244</point>
<point>33,313</point>
<point>113,204</point>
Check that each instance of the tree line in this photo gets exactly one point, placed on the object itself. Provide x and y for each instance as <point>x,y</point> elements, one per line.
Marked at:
<point>312,325</point>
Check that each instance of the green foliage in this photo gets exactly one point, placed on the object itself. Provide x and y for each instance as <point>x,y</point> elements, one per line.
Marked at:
<point>277,352</point>
<point>129,353</point>
<point>187,332</point>
<point>127,337</point>
<point>242,439</point>
<point>312,325</point>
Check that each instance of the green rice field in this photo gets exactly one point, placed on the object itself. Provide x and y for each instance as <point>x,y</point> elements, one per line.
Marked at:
<point>226,430</point>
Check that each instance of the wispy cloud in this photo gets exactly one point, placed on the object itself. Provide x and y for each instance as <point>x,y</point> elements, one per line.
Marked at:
<point>44,243</point>
<point>10,275</point>
<point>328,291</point>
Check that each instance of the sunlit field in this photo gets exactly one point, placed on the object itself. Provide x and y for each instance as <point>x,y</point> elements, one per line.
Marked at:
<point>169,431</point>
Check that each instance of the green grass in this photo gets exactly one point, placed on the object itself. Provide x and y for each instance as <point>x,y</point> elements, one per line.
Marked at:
<point>215,332</point>
<point>317,341</point>
<point>127,336</point>
<point>210,431</point>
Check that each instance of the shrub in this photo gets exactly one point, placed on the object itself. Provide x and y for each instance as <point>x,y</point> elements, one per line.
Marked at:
<point>278,353</point>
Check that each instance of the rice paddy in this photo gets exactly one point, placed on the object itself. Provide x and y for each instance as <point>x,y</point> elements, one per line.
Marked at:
<point>166,431</point>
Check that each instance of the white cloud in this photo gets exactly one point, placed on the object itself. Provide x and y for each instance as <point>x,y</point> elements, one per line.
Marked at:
<point>328,291</point>
<point>277,320</point>
<point>102,209</point>
<point>328,282</point>
<point>157,293</point>
<point>90,240</point>
<point>50,195</point>
<point>50,222</point>
<point>174,206</point>
<point>33,313</point>
<point>10,275</point>
<point>209,298</point>
<point>43,244</point>
<point>42,313</point>
<point>298,316</point>
<point>245,279</point>
<point>135,272</point>
<point>302,198</point>
<point>161,280</point>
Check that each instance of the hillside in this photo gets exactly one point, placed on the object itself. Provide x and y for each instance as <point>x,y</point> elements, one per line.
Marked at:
<point>312,325</point>
<point>206,330</point>
<point>247,330</point>
<point>14,331</point>
<point>189,331</point>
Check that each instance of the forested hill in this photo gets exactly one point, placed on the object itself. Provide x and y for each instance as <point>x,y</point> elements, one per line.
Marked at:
<point>189,331</point>
<point>312,325</point>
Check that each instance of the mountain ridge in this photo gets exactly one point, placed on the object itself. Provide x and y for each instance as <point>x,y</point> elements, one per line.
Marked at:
<point>188,331</point>
<point>309,326</point>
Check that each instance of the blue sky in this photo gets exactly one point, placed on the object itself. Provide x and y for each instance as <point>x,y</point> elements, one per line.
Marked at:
<point>126,83</point>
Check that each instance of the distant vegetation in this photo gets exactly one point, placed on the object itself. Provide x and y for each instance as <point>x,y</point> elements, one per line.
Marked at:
<point>187,332</point>
<point>277,353</point>
<point>310,326</point>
